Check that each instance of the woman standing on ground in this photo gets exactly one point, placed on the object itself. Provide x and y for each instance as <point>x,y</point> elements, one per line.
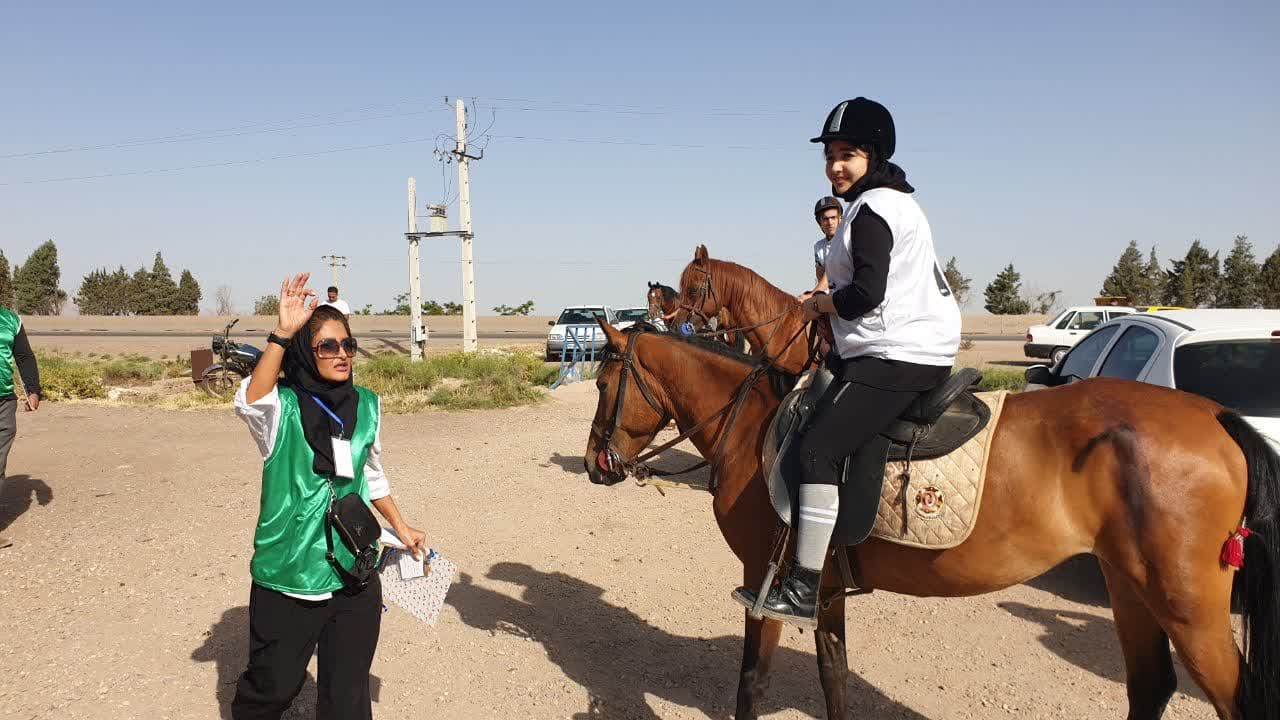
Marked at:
<point>320,442</point>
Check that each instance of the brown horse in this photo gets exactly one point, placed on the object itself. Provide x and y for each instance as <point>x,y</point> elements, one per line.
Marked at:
<point>665,302</point>
<point>1149,480</point>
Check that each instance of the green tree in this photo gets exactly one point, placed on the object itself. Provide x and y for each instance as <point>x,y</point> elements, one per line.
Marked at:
<point>142,297</point>
<point>521,309</point>
<point>958,283</point>
<point>35,284</point>
<point>266,305</point>
<point>6,282</point>
<point>1002,295</point>
<point>94,296</point>
<point>1240,273</point>
<point>1194,280</point>
<point>1154,280</point>
<point>1128,277</point>
<point>1269,281</point>
<point>163,289</point>
<point>188,298</point>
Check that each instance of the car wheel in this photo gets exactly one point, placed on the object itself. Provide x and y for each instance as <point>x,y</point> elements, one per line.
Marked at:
<point>1057,355</point>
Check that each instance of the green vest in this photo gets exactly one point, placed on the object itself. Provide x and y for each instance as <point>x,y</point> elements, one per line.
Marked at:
<point>289,545</point>
<point>10,324</point>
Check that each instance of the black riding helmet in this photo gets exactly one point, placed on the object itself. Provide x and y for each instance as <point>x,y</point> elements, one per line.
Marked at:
<point>862,122</point>
<point>827,203</point>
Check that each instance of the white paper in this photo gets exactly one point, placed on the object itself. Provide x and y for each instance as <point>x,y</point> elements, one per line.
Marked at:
<point>411,568</point>
<point>390,538</point>
<point>342,465</point>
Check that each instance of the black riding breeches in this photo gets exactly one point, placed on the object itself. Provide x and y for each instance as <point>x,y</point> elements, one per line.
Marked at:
<point>856,409</point>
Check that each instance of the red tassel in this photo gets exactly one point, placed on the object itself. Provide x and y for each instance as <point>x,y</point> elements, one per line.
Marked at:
<point>1233,550</point>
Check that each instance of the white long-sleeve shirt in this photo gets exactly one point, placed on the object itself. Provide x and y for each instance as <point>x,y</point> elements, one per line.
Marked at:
<point>263,418</point>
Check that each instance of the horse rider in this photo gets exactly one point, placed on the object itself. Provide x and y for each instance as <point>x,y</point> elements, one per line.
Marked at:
<point>896,327</point>
<point>827,213</point>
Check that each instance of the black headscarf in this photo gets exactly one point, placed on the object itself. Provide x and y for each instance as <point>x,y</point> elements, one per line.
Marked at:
<point>881,173</point>
<point>304,377</point>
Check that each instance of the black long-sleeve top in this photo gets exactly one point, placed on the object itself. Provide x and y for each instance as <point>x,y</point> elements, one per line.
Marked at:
<point>25,359</point>
<point>870,244</point>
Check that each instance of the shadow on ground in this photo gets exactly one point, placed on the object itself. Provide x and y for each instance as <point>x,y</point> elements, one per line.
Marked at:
<point>619,658</point>
<point>17,495</point>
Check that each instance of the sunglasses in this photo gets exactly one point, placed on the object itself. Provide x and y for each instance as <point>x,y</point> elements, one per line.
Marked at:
<point>327,349</point>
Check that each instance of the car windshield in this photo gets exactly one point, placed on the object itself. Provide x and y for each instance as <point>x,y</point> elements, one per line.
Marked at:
<point>1240,374</point>
<point>579,316</point>
<point>632,315</point>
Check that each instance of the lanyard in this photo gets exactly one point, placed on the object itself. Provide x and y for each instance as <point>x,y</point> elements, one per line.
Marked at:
<point>342,428</point>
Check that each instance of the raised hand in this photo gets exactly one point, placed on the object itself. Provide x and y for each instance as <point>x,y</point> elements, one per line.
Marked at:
<point>294,308</point>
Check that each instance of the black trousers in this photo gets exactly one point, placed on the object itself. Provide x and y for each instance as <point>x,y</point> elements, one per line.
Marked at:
<point>869,394</point>
<point>283,634</point>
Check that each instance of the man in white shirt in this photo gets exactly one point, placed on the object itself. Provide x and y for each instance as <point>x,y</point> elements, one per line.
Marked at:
<point>337,302</point>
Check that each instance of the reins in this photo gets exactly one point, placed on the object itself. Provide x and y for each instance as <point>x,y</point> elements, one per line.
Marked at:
<point>728,414</point>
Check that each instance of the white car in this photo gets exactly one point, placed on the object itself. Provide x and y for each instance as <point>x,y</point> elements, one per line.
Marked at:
<point>1229,356</point>
<point>630,316</point>
<point>577,326</point>
<point>1053,339</point>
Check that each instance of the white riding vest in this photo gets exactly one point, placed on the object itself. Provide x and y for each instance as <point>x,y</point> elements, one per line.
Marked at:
<point>919,321</point>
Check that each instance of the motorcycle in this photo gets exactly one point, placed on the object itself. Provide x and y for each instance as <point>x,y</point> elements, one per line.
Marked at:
<point>236,362</point>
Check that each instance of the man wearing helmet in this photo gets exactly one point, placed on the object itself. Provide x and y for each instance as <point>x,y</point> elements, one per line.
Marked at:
<point>827,213</point>
<point>896,327</point>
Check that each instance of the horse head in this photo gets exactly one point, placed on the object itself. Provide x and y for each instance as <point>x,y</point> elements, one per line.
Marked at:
<point>630,411</point>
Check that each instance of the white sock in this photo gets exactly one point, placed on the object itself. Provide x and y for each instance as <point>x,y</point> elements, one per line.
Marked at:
<point>819,506</point>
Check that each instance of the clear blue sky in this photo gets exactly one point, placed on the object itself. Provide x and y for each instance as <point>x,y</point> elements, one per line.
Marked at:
<point>1045,137</point>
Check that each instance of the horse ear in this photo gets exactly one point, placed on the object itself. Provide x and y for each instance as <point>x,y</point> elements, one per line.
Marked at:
<point>700,254</point>
<point>613,335</point>
<point>652,284</point>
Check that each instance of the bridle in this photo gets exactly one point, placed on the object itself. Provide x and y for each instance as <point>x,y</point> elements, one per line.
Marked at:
<point>707,290</point>
<point>727,415</point>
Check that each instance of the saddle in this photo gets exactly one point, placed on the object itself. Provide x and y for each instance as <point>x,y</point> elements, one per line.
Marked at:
<point>936,424</point>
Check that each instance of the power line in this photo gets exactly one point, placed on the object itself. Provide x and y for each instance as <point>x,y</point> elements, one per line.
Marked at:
<point>228,163</point>
<point>638,143</point>
<point>642,109</point>
<point>202,135</point>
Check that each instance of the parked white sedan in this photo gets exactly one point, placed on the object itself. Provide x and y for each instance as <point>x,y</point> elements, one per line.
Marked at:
<point>1053,339</point>
<point>1229,356</point>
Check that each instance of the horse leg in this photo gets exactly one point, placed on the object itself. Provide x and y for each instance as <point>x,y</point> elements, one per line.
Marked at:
<point>760,640</point>
<point>833,662</point>
<point>1149,673</point>
<point>1208,651</point>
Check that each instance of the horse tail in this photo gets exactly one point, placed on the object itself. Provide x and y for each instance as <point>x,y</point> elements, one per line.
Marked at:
<point>1260,603</point>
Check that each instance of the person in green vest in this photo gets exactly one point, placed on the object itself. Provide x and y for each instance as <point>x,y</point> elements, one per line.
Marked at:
<point>305,426</point>
<point>14,348</point>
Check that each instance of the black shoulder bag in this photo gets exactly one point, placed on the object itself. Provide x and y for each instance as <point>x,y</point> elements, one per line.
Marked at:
<point>359,530</point>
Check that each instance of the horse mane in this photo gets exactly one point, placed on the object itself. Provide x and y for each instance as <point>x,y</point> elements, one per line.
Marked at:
<point>751,285</point>
<point>702,342</point>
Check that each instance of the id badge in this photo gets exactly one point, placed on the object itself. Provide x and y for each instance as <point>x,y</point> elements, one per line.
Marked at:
<point>342,459</point>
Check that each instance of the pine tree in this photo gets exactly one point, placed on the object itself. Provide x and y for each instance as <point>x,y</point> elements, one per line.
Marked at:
<point>1194,280</point>
<point>1239,277</point>
<point>1269,281</point>
<point>94,298</point>
<point>1154,280</point>
<point>6,282</point>
<point>163,289</point>
<point>958,283</point>
<point>121,289</point>
<point>35,284</point>
<point>188,302</point>
<point>142,300</point>
<point>1002,294</point>
<point>1128,277</point>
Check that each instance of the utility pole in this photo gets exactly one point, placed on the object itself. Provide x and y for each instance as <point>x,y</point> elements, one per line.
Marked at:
<point>335,262</point>
<point>469,335</point>
<point>417,335</point>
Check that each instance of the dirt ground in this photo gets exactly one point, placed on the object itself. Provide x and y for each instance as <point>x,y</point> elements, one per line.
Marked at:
<point>125,593</point>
